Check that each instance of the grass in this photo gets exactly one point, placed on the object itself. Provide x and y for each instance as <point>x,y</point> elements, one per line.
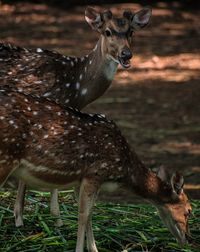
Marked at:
<point>116,227</point>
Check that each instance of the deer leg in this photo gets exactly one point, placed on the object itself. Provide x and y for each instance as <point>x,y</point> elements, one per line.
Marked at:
<point>54,208</point>
<point>19,204</point>
<point>87,195</point>
<point>91,245</point>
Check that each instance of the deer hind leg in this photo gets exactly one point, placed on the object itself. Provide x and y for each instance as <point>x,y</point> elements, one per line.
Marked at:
<point>54,208</point>
<point>87,196</point>
<point>19,204</point>
<point>6,169</point>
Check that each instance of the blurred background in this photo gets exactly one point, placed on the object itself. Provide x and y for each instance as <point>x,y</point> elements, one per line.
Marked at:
<point>156,103</point>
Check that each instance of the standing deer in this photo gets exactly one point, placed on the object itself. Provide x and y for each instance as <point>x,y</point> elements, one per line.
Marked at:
<point>71,81</point>
<point>48,147</point>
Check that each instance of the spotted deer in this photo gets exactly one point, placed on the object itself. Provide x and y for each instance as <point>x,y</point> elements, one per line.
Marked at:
<point>48,147</point>
<point>72,81</point>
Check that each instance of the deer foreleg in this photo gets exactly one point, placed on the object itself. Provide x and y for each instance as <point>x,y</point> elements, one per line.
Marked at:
<point>87,195</point>
<point>19,204</point>
<point>91,245</point>
<point>54,208</point>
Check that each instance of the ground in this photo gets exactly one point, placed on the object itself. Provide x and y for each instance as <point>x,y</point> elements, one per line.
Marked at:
<point>156,103</point>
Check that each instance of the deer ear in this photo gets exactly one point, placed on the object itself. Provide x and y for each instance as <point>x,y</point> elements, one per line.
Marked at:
<point>175,180</point>
<point>141,18</point>
<point>177,183</point>
<point>93,18</point>
<point>162,173</point>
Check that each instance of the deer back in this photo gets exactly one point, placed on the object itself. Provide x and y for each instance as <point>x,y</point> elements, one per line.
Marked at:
<point>58,145</point>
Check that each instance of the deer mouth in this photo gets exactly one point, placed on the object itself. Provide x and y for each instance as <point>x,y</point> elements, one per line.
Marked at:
<point>125,63</point>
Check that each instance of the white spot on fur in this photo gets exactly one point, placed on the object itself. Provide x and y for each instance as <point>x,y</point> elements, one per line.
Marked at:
<point>84,91</point>
<point>39,50</point>
<point>11,122</point>
<point>120,168</point>
<point>103,165</point>
<point>47,94</point>
<point>77,85</point>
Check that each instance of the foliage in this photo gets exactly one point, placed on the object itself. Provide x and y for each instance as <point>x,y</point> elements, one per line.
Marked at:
<point>116,227</point>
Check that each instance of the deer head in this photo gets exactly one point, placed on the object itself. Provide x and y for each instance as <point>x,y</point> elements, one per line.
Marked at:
<point>175,214</point>
<point>117,33</point>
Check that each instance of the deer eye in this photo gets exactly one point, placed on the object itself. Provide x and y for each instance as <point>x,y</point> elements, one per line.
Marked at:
<point>188,213</point>
<point>108,33</point>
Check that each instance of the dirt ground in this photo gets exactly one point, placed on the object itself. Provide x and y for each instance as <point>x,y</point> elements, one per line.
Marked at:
<point>156,103</point>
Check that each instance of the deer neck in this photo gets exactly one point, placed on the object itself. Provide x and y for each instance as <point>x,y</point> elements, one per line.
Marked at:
<point>101,66</point>
<point>84,79</point>
<point>137,181</point>
<point>146,183</point>
<point>143,187</point>
<point>97,71</point>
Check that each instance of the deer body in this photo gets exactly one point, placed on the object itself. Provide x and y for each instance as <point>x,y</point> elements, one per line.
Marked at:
<point>49,147</point>
<point>53,76</point>
<point>72,81</point>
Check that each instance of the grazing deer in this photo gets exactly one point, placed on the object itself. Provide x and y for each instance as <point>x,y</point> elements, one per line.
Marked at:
<point>72,81</point>
<point>48,147</point>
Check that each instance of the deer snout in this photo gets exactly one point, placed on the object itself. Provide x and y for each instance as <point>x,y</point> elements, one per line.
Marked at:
<point>126,53</point>
<point>125,56</point>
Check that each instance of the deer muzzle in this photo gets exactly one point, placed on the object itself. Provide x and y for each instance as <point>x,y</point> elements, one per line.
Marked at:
<point>124,57</point>
<point>177,229</point>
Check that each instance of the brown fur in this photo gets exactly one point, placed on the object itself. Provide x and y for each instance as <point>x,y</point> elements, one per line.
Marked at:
<point>82,150</point>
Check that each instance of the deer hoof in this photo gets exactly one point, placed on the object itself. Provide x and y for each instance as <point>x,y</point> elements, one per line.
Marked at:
<point>19,222</point>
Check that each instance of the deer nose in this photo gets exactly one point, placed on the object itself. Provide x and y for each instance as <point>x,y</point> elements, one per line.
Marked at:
<point>126,53</point>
